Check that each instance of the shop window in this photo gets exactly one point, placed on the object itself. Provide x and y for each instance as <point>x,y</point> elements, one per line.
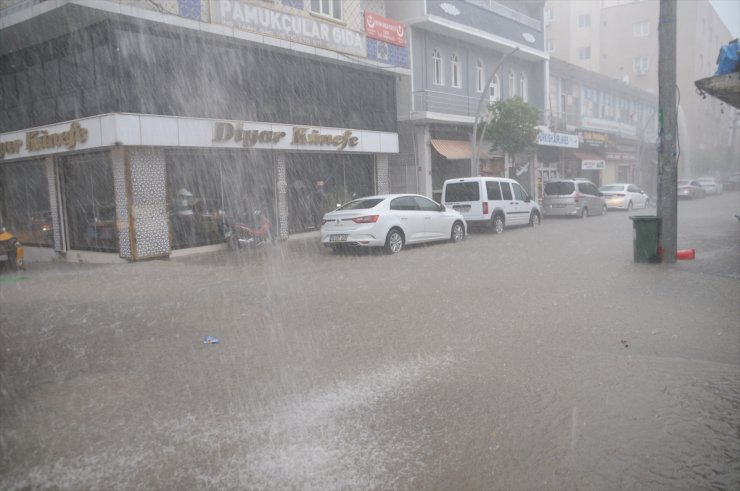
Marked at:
<point>318,183</point>
<point>208,188</point>
<point>89,204</point>
<point>24,202</point>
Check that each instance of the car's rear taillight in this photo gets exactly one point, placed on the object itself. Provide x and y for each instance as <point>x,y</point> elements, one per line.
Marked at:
<point>577,196</point>
<point>485,208</point>
<point>366,219</point>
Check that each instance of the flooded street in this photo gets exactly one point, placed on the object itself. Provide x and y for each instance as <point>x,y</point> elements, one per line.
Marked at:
<point>538,359</point>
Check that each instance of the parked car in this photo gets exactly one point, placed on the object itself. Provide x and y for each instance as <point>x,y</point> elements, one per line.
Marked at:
<point>491,201</point>
<point>391,221</point>
<point>710,185</point>
<point>624,196</point>
<point>573,197</point>
<point>731,182</point>
<point>11,251</point>
<point>690,189</point>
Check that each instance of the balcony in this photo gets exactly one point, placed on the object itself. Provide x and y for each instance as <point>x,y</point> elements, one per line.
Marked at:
<point>430,101</point>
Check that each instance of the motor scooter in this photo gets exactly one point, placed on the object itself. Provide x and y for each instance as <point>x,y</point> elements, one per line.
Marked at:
<point>249,235</point>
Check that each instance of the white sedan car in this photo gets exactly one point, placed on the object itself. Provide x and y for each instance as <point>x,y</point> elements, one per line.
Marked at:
<point>391,221</point>
<point>624,196</point>
<point>710,185</point>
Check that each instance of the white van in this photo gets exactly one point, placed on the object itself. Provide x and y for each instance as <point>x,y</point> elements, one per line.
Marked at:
<point>495,202</point>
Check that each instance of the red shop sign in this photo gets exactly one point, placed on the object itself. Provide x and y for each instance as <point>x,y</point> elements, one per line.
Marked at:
<point>382,29</point>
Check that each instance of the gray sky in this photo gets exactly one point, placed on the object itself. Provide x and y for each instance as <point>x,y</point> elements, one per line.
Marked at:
<point>729,12</point>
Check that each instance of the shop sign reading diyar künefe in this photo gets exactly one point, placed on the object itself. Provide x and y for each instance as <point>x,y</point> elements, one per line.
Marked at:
<point>38,140</point>
<point>300,135</point>
<point>282,25</point>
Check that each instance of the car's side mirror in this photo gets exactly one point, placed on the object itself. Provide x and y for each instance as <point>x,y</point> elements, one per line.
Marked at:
<point>442,208</point>
<point>527,199</point>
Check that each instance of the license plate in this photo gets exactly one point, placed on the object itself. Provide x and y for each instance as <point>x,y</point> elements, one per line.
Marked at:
<point>3,257</point>
<point>338,238</point>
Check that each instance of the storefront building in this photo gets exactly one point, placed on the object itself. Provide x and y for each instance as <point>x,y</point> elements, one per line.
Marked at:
<point>134,135</point>
<point>141,186</point>
<point>615,124</point>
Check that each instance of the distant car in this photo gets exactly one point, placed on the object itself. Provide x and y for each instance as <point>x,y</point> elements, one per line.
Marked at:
<point>731,182</point>
<point>494,202</point>
<point>11,251</point>
<point>710,185</point>
<point>391,221</point>
<point>573,197</point>
<point>624,196</point>
<point>690,189</point>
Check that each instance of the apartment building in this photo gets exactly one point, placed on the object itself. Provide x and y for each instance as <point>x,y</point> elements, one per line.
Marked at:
<point>619,39</point>
<point>459,64</point>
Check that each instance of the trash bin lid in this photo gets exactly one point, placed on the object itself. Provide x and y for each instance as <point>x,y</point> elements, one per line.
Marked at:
<point>644,218</point>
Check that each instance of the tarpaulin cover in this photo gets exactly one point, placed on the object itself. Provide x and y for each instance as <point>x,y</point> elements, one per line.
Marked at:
<point>728,60</point>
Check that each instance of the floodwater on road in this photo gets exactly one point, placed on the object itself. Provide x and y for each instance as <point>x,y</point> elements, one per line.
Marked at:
<point>539,359</point>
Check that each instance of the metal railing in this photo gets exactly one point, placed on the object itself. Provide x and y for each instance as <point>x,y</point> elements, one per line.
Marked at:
<point>443,102</point>
<point>509,13</point>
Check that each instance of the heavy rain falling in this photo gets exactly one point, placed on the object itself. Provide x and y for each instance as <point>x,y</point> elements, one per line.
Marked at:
<point>368,244</point>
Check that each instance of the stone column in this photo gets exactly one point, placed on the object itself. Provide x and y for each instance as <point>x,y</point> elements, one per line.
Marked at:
<point>382,185</point>
<point>147,178</point>
<point>282,195</point>
<point>121,190</point>
<point>424,153</point>
<point>54,203</point>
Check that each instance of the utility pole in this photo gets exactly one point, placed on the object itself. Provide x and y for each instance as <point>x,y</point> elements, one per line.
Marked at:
<point>668,132</point>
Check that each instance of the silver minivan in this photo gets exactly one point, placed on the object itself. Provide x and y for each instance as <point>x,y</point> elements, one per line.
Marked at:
<point>495,202</point>
<point>573,197</point>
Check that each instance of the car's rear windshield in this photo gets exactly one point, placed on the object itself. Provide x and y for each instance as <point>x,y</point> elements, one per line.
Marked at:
<point>362,204</point>
<point>462,191</point>
<point>612,187</point>
<point>559,188</point>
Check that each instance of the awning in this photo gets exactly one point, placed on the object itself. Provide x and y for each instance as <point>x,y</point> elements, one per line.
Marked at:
<point>460,150</point>
<point>582,155</point>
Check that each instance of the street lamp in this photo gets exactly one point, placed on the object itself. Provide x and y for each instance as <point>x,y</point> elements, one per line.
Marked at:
<point>476,144</point>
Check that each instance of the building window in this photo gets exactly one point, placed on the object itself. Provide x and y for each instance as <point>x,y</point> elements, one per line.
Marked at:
<point>437,75</point>
<point>329,8</point>
<point>584,53</point>
<point>494,91</point>
<point>640,65</point>
<point>550,45</point>
<point>549,15</point>
<point>480,74</point>
<point>584,20</point>
<point>455,71</point>
<point>512,85</point>
<point>641,29</point>
<point>523,86</point>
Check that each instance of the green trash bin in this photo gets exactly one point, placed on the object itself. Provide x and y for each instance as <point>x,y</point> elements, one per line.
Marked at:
<point>645,238</point>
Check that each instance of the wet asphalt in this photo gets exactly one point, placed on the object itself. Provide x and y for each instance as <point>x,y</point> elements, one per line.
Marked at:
<point>542,358</point>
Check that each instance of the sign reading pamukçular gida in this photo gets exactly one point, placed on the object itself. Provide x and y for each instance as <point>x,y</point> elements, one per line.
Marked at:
<point>283,25</point>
